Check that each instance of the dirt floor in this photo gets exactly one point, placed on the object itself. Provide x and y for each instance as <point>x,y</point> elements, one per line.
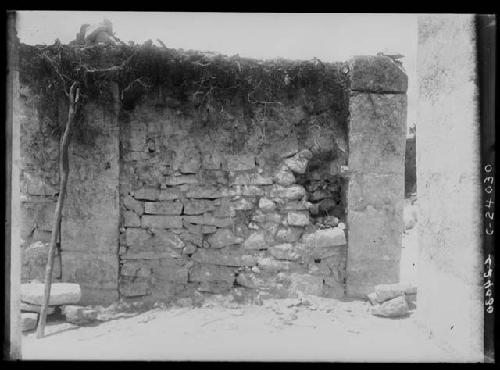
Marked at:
<point>304,329</point>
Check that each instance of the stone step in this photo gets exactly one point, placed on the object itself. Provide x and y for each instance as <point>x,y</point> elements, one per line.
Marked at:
<point>60,293</point>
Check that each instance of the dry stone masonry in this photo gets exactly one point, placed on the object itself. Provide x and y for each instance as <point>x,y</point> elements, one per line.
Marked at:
<point>167,201</point>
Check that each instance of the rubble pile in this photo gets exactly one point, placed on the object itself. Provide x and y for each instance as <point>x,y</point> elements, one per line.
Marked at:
<point>393,300</point>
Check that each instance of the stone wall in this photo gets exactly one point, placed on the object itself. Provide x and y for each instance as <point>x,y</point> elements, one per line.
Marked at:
<point>244,207</point>
<point>167,199</point>
<point>450,301</point>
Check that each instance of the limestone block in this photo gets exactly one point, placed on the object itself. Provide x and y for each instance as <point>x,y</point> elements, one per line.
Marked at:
<point>131,219</point>
<point>248,190</point>
<point>270,217</point>
<point>267,204</point>
<point>190,248</point>
<point>286,147</point>
<point>285,252</point>
<point>146,193</point>
<point>60,293</point>
<point>240,162</point>
<point>133,205</point>
<point>183,179</point>
<point>296,206</point>
<point>163,208</point>
<point>377,74</point>
<point>253,178</point>
<point>79,315</point>
<point>389,291</point>
<point>91,271</point>
<point>169,194</point>
<point>290,234</point>
<point>136,268</point>
<point>28,321</point>
<point>325,238</point>
<point>133,286</point>
<point>222,238</point>
<point>395,307</point>
<point>35,185</point>
<point>170,271</point>
<point>205,192</point>
<point>192,237</point>
<point>291,192</point>
<point>166,239</point>
<point>212,273</point>
<point>377,131</point>
<point>212,160</point>
<point>28,307</point>
<point>284,177</point>
<point>270,264</point>
<point>242,204</point>
<point>198,206</point>
<point>224,257</point>
<point>208,219</point>
<point>298,218</point>
<point>298,163</point>
<point>34,260</point>
<point>161,222</point>
<point>256,240</point>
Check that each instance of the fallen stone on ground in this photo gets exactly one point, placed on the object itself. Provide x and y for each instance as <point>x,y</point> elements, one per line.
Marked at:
<point>28,307</point>
<point>60,293</point>
<point>79,315</point>
<point>389,291</point>
<point>28,321</point>
<point>395,307</point>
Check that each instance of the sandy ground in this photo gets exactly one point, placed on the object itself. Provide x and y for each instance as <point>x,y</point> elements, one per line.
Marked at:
<point>311,329</point>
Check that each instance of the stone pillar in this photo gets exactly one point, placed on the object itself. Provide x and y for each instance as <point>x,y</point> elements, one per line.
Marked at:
<point>91,214</point>
<point>375,199</point>
<point>449,226</point>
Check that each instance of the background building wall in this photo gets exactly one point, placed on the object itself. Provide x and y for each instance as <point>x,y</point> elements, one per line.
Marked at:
<point>448,182</point>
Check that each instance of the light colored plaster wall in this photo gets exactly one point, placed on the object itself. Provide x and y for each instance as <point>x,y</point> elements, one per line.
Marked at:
<point>450,259</point>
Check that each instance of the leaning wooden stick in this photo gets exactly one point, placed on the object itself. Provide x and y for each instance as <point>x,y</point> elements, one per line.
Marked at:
<point>74,96</point>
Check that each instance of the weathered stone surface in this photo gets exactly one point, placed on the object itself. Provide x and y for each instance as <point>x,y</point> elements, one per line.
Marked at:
<point>190,248</point>
<point>298,163</point>
<point>253,281</point>
<point>267,204</point>
<point>296,206</point>
<point>133,205</point>
<point>222,238</point>
<point>256,240</point>
<point>291,192</point>
<point>290,234</point>
<point>285,252</point>
<point>377,74</point>
<point>136,237</point>
<point>146,194</point>
<point>240,162</point>
<point>34,260</point>
<point>170,270</point>
<point>389,291</point>
<point>206,192</point>
<point>224,257</point>
<point>212,160</point>
<point>131,219</point>
<point>163,238</point>
<point>210,220</point>
<point>195,238</point>
<point>286,147</point>
<point>79,315</point>
<point>208,229</point>
<point>306,284</point>
<point>271,217</point>
<point>198,206</point>
<point>161,222</point>
<point>298,218</point>
<point>251,179</point>
<point>60,293</point>
<point>284,177</point>
<point>169,194</point>
<point>28,321</point>
<point>325,238</point>
<point>395,307</point>
<point>248,190</point>
<point>270,264</point>
<point>133,286</point>
<point>212,273</point>
<point>37,186</point>
<point>242,204</point>
<point>28,307</point>
<point>163,208</point>
<point>179,180</point>
<point>135,268</point>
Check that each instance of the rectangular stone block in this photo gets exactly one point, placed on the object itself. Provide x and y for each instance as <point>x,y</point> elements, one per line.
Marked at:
<point>376,190</point>
<point>377,133</point>
<point>253,178</point>
<point>198,206</point>
<point>212,273</point>
<point>60,293</point>
<point>131,219</point>
<point>92,271</point>
<point>377,73</point>
<point>206,192</point>
<point>224,257</point>
<point>146,193</point>
<point>169,194</point>
<point>161,222</point>
<point>179,180</point>
<point>163,208</point>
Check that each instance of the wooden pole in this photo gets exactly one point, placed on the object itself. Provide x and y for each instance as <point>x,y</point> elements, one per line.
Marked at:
<point>74,95</point>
